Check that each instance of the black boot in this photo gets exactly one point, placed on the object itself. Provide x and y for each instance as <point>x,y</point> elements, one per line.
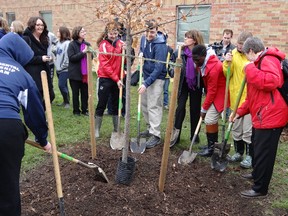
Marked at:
<point>211,138</point>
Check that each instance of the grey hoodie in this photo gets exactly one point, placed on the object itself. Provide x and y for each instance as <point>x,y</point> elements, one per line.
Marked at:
<point>62,60</point>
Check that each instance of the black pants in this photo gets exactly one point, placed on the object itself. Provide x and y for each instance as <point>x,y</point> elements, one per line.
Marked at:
<point>79,87</point>
<point>109,105</point>
<point>107,88</point>
<point>12,138</point>
<point>195,107</point>
<point>265,143</point>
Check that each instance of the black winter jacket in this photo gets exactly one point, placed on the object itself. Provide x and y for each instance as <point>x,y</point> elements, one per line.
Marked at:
<point>75,55</point>
<point>36,65</point>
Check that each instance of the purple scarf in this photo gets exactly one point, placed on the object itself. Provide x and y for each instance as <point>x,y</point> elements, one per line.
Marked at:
<point>190,71</point>
<point>84,65</point>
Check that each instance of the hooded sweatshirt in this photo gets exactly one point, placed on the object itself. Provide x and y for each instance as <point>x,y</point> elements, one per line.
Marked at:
<point>62,60</point>
<point>157,50</point>
<point>17,87</point>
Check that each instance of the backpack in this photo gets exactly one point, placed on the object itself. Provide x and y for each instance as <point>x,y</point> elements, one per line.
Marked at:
<point>284,66</point>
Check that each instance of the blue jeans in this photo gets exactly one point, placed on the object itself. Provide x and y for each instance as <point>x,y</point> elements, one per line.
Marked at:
<point>63,86</point>
<point>166,91</point>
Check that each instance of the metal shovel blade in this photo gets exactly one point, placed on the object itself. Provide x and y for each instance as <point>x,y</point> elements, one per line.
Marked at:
<point>218,163</point>
<point>138,146</point>
<point>187,157</point>
<point>117,140</point>
<point>99,172</point>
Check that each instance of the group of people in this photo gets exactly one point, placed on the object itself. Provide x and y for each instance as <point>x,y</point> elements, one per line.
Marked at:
<point>258,122</point>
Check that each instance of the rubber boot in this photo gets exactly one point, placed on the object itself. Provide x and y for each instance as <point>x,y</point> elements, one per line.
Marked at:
<point>115,122</point>
<point>247,162</point>
<point>211,138</point>
<point>239,146</point>
<point>98,122</point>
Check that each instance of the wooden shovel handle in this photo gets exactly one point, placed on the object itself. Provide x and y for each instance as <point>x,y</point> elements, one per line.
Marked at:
<point>52,139</point>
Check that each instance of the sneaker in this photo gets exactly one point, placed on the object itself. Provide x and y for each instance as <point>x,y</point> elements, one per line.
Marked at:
<point>67,106</point>
<point>145,134</point>
<point>174,137</point>
<point>166,107</point>
<point>152,142</point>
<point>236,157</point>
<point>247,162</point>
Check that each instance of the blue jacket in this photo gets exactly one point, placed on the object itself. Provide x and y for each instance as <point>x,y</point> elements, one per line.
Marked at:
<point>157,50</point>
<point>17,87</point>
<point>2,33</point>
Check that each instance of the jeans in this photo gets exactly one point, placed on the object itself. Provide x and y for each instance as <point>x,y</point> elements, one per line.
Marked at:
<point>166,92</point>
<point>63,86</point>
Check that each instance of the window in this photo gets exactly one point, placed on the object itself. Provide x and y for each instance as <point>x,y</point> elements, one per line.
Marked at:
<point>47,16</point>
<point>200,20</point>
<point>10,17</point>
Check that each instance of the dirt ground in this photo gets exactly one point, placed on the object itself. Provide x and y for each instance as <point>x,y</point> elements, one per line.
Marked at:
<point>194,189</point>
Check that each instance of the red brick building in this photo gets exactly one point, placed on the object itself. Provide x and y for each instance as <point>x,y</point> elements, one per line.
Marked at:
<point>266,19</point>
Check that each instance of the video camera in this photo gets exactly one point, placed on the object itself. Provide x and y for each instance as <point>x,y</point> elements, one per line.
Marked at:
<point>218,48</point>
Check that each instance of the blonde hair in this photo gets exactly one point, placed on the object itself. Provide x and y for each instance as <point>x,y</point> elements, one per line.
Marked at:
<point>18,27</point>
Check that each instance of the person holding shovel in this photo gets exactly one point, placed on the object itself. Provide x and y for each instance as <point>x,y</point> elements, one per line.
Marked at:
<point>210,68</point>
<point>268,110</point>
<point>17,87</point>
<point>153,47</point>
<point>242,127</point>
<point>109,74</point>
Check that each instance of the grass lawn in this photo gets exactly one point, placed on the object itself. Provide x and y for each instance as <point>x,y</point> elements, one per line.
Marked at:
<point>70,129</point>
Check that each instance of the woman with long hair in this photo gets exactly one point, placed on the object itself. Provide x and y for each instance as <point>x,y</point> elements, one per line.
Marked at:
<point>4,28</point>
<point>190,85</point>
<point>108,73</point>
<point>62,63</point>
<point>36,36</point>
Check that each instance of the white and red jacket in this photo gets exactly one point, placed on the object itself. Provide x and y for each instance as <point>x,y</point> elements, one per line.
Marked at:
<point>110,65</point>
<point>264,102</point>
<point>214,82</point>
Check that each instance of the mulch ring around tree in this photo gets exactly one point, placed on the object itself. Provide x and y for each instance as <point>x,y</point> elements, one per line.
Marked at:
<point>192,189</point>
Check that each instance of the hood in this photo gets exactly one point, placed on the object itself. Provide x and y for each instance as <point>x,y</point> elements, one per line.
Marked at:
<point>13,46</point>
<point>210,52</point>
<point>160,38</point>
<point>274,52</point>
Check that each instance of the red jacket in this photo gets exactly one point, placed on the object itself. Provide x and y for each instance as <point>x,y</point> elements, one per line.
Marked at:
<point>110,65</point>
<point>266,105</point>
<point>215,82</point>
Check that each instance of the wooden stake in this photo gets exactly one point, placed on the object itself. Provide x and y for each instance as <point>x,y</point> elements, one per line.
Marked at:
<point>91,105</point>
<point>171,115</point>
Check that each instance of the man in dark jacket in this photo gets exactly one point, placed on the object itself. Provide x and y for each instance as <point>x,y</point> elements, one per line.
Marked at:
<point>154,47</point>
<point>16,87</point>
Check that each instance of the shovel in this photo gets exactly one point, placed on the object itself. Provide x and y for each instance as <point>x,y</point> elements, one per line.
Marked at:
<point>219,159</point>
<point>117,140</point>
<point>138,145</point>
<point>99,172</point>
<point>188,156</point>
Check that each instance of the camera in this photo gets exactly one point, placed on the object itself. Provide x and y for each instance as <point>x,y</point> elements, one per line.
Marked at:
<point>218,48</point>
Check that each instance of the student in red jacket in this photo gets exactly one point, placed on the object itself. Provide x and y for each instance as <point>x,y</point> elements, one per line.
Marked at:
<point>268,110</point>
<point>211,70</point>
<point>108,74</point>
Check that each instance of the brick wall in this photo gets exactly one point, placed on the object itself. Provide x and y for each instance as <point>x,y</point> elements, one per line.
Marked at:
<point>265,19</point>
